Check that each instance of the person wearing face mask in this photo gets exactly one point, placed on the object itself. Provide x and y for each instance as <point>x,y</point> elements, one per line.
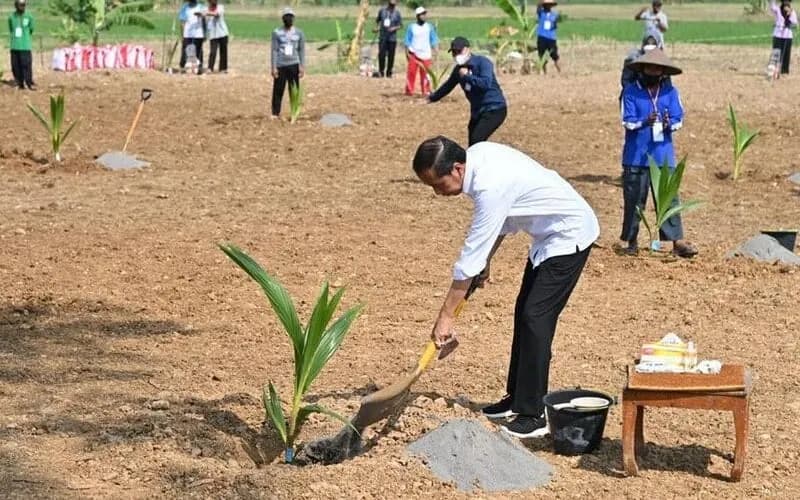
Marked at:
<point>388,22</point>
<point>20,28</point>
<point>421,45</point>
<point>629,76</point>
<point>651,113</point>
<point>288,58</point>
<point>192,18</point>
<point>546,32</point>
<point>785,21</point>
<point>475,74</point>
<point>655,21</point>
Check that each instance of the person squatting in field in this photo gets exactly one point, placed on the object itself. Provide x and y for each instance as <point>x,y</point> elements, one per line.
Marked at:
<point>388,23</point>
<point>475,74</point>
<point>421,46</point>
<point>785,22</point>
<point>511,192</point>
<point>20,30</point>
<point>287,58</point>
<point>546,32</point>
<point>651,113</point>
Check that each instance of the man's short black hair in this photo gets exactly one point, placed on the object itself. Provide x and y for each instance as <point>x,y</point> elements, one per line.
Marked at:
<point>438,153</point>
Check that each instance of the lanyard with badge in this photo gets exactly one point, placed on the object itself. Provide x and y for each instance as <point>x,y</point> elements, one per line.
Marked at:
<point>658,125</point>
<point>288,48</point>
<point>18,29</point>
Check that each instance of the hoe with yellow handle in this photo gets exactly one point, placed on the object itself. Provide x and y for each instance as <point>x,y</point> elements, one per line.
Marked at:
<point>379,404</point>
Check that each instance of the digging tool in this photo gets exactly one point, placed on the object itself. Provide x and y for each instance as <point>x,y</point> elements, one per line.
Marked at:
<point>379,404</point>
<point>146,93</point>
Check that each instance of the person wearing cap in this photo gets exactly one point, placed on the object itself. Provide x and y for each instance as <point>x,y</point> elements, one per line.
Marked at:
<point>546,32</point>
<point>192,18</point>
<point>388,22</point>
<point>785,21</point>
<point>651,113</point>
<point>20,28</point>
<point>655,21</point>
<point>511,192</point>
<point>475,74</point>
<point>421,45</point>
<point>288,58</point>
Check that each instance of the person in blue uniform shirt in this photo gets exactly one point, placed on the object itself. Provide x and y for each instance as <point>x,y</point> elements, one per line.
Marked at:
<point>651,114</point>
<point>475,74</point>
<point>546,32</point>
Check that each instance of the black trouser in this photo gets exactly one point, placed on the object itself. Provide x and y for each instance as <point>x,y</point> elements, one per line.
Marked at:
<point>635,186</point>
<point>386,51</point>
<point>22,67</point>
<point>543,294</point>
<point>198,48</point>
<point>484,125</point>
<point>785,46</point>
<point>222,44</point>
<point>290,74</point>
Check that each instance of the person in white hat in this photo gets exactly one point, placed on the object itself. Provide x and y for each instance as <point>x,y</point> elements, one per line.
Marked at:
<point>288,58</point>
<point>20,28</point>
<point>422,42</point>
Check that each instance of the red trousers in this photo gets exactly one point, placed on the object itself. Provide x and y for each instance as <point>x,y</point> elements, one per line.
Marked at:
<point>416,65</point>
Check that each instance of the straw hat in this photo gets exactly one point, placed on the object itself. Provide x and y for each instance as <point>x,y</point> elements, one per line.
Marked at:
<point>549,2</point>
<point>656,57</point>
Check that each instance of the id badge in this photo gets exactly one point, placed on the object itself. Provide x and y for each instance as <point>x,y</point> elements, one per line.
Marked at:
<point>547,25</point>
<point>387,23</point>
<point>287,49</point>
<point>467,87</point>
<point>658,132</point>
<point>18,32</point>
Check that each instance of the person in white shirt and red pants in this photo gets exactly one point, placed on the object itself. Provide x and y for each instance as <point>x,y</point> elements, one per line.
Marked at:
<point>421,45</point>
<point>511,192</point>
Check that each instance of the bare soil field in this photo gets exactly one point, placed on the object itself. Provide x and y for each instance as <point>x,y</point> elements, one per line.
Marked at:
<point>114,295</point>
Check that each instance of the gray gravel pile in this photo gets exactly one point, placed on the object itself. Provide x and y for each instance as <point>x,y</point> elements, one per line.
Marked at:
<point>765,248</point>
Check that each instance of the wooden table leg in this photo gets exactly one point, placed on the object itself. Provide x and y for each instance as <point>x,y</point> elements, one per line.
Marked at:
<point>741,417</point>
<point>629,417</point>
<point>639,447</point>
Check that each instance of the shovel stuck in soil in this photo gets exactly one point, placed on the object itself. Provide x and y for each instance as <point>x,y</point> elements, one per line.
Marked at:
<point>120,160</point>
<point>377,406</point>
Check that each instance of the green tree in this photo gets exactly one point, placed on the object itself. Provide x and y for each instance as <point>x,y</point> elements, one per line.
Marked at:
<point>83,20</point>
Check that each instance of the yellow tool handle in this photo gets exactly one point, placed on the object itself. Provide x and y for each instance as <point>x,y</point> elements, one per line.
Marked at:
<point>430,349</point>
<point>133,125</point>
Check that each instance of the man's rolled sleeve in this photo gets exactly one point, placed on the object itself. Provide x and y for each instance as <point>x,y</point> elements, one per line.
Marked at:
<point>491,211</point>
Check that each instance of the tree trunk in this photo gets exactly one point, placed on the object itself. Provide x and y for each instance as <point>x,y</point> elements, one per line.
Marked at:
<point>354,54</point>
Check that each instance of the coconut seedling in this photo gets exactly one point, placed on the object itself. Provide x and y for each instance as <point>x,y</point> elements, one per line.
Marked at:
<point>665,184</point>
<point>295,101</point>
<point>435,78</point>
<point>313,344</point>
<point>742,139</point>
<point>54,125</point>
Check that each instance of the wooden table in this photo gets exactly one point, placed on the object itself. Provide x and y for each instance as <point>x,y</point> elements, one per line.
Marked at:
<point>727,391</point>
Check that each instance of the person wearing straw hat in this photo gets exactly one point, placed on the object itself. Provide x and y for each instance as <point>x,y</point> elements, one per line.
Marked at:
<point>288,58</point>
<point>421,45</point>
<point>475,74</point>
<point>20,28</point>
<point>546,32</point>
<point>651,113</point>
<point>655,21</point>
<point>629,76</point>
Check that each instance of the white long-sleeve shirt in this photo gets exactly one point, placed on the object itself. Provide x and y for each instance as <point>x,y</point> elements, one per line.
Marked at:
<point>512,192</point>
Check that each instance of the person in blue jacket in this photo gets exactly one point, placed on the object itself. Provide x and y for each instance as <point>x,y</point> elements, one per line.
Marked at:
<point>546,32</point>
<point>651,113</point>
<point>475,74</point>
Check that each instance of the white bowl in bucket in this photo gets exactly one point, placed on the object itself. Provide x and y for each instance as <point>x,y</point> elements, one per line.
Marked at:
<point>589,403</point>
<point>561,406</point>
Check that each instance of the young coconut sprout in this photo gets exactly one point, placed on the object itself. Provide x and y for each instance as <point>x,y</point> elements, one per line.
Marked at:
<point>665,184</point>
<point>742,138</point>
<point>295,101</point>
<point>55,124</point>
<point>434,78</point>
<point>314,344</point>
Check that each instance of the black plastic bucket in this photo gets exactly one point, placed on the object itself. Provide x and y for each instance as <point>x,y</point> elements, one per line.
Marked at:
<point>575,431</point>
<point>787,239</point>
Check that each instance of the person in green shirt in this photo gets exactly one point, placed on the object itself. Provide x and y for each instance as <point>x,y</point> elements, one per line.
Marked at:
<point>20,28</point>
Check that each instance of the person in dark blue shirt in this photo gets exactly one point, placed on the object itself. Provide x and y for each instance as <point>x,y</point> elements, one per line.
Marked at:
<point>546,32</point>
<point>651,113</point>
<point>475,74</point>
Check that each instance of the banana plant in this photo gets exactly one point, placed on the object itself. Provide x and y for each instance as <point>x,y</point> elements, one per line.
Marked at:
<point>82,19</point>
<point>665,183</point>
<point>314,344</point>
<point>518,38</point>
<point>54,125</point>
<point>742,139</point>
<point>295,101</point>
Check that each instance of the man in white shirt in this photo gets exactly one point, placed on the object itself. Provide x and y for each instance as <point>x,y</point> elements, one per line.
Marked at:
<point>421,44</point>
<point>192,21</point>
<point>511,192</point>
<point>655,21</point>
